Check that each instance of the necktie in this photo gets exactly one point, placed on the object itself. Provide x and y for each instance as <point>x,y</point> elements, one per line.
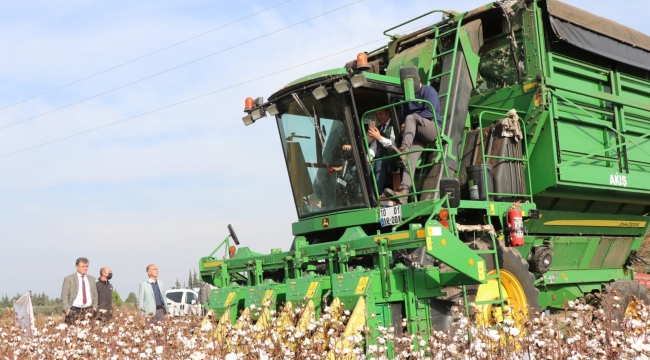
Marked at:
<point>83,289</point>
<point>383,127</point>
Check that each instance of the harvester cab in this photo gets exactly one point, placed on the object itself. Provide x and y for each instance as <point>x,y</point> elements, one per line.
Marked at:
<point>498,218</point>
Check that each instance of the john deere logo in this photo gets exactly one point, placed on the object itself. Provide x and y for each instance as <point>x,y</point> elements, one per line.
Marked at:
<point>326,223</point>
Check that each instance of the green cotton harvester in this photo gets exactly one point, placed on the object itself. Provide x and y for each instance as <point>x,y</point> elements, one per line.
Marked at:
<point>536,193</point>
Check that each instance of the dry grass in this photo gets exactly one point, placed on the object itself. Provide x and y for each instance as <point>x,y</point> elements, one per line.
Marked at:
<point>644,251</point>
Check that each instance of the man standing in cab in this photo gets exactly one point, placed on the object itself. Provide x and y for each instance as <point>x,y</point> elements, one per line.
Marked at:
<point>383,141</point>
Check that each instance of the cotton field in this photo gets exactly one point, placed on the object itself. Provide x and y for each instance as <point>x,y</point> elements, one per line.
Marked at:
<point>579,332</point>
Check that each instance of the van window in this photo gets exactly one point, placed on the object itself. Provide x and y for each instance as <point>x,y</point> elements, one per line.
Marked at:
<point>176,296</point>
<point>190,296</point>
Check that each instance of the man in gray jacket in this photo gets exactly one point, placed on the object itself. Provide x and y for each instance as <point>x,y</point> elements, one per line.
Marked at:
<point>151,299</point>
<point>79,293</point>
<point>204,297</point>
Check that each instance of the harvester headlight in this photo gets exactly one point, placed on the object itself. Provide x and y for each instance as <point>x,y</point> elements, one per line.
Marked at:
<point>320,92</point>
<point>257,114</point>
<point>248,120</point>
<point>272,110</point>
<point>341,86</point>
<point>358,80</point>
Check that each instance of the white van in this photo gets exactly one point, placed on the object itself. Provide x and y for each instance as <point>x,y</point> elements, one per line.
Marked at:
<point>182,302</point>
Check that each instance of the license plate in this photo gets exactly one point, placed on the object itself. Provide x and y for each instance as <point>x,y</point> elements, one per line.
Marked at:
<point>390,216</point>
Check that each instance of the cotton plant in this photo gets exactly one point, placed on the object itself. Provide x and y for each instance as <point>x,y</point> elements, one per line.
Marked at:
<point>581,331</point>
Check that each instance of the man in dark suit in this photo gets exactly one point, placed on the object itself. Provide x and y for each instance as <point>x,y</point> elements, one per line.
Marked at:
<point>79,293</point>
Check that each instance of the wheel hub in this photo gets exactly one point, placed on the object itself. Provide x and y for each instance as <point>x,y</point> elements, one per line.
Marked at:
<point>515,305</point>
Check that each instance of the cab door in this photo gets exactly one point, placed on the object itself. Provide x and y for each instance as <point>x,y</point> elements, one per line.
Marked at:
<point>174,302</point>
<point>191,305</point>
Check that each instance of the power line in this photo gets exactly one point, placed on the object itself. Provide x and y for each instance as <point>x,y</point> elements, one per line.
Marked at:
<point>179,66</point>
<point>186,100</point>
<point>144,56</point>
<point>191,99</point>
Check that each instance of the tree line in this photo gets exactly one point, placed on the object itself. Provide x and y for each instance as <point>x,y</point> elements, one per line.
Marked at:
<point>43,304</point>
<point>193,281</point>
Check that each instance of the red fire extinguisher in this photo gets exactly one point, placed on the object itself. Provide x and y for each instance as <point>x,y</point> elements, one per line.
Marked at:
<point>516,225</point>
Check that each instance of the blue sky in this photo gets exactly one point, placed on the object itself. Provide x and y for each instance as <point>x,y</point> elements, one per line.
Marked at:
<point>161,188</point>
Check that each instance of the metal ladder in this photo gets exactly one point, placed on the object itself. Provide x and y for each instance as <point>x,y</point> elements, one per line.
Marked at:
<point>528,195</point>
<point>455,32</point>
<point>438,53</point>
<point>497,275</point>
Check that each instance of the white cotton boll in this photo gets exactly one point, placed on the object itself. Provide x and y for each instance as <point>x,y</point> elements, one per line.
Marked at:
<point>197,355</point>
<point>493,335</point>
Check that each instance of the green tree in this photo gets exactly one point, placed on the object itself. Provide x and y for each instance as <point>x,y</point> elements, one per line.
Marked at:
<point>117,300</point>
<point>178,284</point>
<point>131,299</point>
<point>189,280</point>
<point>5,303</point>
<point>196,283</point>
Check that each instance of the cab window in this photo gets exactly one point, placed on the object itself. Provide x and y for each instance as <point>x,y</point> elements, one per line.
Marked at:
<point>175,296</point>
<point>190,296</point>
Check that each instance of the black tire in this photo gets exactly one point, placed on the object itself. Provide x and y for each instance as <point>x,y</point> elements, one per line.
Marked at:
<point>511,261</point>
<point>624,293</point>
